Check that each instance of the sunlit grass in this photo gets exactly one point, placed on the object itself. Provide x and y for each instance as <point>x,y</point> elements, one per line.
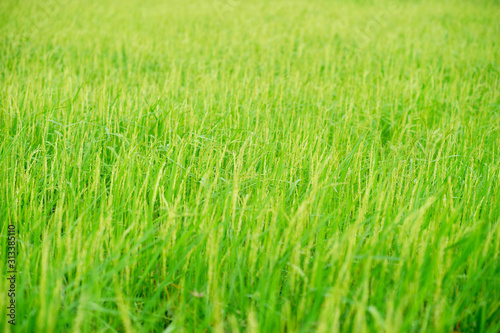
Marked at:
<point>273,166</point>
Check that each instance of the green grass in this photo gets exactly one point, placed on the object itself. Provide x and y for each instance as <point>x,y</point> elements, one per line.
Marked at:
<point>266,166</point>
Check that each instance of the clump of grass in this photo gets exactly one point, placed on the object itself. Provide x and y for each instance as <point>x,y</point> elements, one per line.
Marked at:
<point>284,166</point>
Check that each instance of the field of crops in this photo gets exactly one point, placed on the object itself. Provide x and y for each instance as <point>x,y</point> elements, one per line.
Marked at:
<point>264,166</point>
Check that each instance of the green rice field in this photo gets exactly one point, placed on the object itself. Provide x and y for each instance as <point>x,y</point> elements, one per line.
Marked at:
<point>265,166</point>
